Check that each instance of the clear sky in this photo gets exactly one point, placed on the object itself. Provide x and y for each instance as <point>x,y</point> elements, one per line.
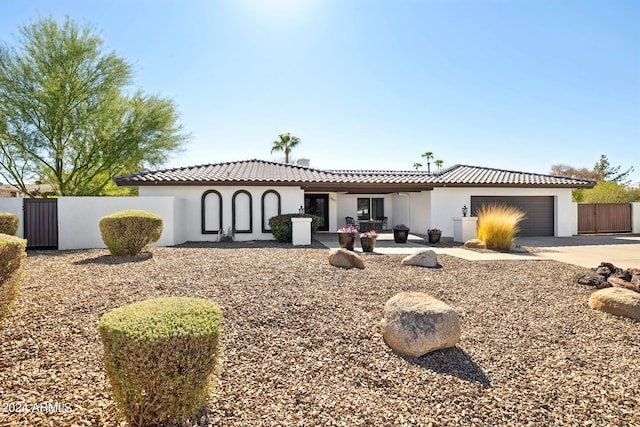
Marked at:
<point>514,84</point>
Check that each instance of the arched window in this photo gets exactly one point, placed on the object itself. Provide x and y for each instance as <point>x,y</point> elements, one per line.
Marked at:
<point>270,208</point>
<point>211,206</point>
<point>242,212</point>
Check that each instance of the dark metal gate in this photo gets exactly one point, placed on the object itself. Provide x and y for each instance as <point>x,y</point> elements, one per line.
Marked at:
<point>604,218</point>
<point>41,223</point>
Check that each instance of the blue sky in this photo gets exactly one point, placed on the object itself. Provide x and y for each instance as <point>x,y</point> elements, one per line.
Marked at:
<point>512,84</point>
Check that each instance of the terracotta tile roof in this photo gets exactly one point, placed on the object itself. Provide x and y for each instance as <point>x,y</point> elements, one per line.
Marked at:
<point>261,171</point>
<point>474,175</point>
<point>247,171</point>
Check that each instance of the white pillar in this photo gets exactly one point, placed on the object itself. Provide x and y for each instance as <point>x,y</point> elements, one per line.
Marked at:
<point>464,228</point>
<point>301,231</point>
<point>635,218</point>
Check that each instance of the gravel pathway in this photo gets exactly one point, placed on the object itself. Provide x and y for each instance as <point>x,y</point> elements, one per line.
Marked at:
<point>302,345</point>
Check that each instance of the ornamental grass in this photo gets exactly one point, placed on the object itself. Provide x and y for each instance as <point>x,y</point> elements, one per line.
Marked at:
<point>498,225</point>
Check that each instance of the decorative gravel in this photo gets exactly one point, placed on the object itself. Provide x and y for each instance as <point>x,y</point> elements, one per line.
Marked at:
<point>302,345</point>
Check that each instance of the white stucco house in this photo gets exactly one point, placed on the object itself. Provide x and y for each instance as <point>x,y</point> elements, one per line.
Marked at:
<point>243,195</point>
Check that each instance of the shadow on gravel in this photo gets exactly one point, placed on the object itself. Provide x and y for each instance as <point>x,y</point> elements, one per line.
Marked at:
<point>115,260</point>
<point>254,244</point>
<point>451,361</point>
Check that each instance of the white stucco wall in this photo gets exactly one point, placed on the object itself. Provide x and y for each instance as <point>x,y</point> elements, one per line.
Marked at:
<point>635,218</point>
<point>446,203</point>
<point>291,199</point>
<point>79,217</point>
<point>13,205</point>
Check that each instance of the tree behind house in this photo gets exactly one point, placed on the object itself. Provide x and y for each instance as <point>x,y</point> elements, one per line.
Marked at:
<point>69,116</point>
<point>285,144</point>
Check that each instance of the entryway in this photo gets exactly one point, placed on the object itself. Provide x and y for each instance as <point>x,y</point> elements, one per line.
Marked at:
<point>318,205</point>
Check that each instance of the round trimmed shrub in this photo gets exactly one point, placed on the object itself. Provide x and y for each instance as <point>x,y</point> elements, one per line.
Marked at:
<point>281,226</point>
<point>161,356</point>
<point>12,255</point>
<point>127,233</point>
<point>9,223</point>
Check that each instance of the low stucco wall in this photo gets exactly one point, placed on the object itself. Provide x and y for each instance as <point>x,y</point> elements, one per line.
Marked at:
<point>14,205</point>
<point>79,218</point>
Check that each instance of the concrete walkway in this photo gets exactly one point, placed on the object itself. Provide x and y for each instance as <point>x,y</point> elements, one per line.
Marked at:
<point>621,250</point>
<point>587,251</point>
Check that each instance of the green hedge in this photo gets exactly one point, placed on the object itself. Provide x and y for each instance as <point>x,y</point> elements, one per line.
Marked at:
<point>9,223</point>
<point>12,255</point>
<point>127,233</point>
<point>281,226</point>
<point>160,356</point>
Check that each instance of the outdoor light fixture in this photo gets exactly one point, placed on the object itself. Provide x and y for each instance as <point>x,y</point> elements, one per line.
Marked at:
<point>464,210</point>
<point>301,210</point>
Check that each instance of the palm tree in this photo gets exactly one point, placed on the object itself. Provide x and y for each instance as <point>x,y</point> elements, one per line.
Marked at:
<point>428,155</point>
<point>286,143</point>
<point>417,165</point>
<point>439,164</point>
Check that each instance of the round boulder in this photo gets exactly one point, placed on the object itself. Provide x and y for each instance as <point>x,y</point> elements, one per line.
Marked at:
<point>344,258</point>
<point>416,323</point>
<point>422,258</point>
<point>618,301</point>
<point>475,244</point>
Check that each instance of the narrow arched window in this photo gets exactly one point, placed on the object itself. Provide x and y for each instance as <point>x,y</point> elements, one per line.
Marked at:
<point>242,212</point>
<point>211,216</point>
<point>270,208</point>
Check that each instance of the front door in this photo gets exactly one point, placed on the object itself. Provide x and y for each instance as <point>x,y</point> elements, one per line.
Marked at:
<point>318,205</point>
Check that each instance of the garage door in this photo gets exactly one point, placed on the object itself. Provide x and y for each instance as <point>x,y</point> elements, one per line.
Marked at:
<point>539,211</point>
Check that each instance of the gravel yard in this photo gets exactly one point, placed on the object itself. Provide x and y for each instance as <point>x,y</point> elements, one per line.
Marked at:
<point>302,345</point>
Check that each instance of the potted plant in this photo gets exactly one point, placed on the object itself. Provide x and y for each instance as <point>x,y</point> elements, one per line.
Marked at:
<point>400,233</point>
<point>368,240</point>
<point>434,235</point>
<point>347,237</point>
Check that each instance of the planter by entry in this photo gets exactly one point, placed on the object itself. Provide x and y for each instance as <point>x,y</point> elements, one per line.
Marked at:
<point>368,244</point>
<point>434,237</point>
<point>400,236</point>
<point>347,240</point>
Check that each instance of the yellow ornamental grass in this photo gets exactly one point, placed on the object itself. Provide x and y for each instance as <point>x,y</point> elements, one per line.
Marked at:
<point>498,225</point>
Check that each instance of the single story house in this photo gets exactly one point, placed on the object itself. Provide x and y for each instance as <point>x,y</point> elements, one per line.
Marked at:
<point>241,196</point>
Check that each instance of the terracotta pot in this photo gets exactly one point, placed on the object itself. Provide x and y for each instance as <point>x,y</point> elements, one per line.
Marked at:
<point>368,244</point>
<point>347,240</point>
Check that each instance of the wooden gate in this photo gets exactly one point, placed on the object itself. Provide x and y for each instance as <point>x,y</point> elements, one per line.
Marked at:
<point>41,223</point>
<point>604,218</point>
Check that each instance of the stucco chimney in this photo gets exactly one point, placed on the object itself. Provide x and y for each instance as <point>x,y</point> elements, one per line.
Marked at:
<point>303,162</point>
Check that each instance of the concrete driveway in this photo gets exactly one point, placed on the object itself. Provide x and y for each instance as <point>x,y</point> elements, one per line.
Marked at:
<point>589,251</point>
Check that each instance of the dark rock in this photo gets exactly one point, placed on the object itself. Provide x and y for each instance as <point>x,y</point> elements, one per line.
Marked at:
<point>608,265</point>
<point>622,274</point>
<point>590,278</point>
<point>604,271</point>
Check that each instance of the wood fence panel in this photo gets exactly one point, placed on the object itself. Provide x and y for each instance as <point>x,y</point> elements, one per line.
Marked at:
<point>604,218</point>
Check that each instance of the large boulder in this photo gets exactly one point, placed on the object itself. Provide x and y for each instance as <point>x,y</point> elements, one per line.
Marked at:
<point>343,258</point>
<point>416,323</point>
<point>422,258</point>
<point>475,244</point>
<point>618,301</point>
